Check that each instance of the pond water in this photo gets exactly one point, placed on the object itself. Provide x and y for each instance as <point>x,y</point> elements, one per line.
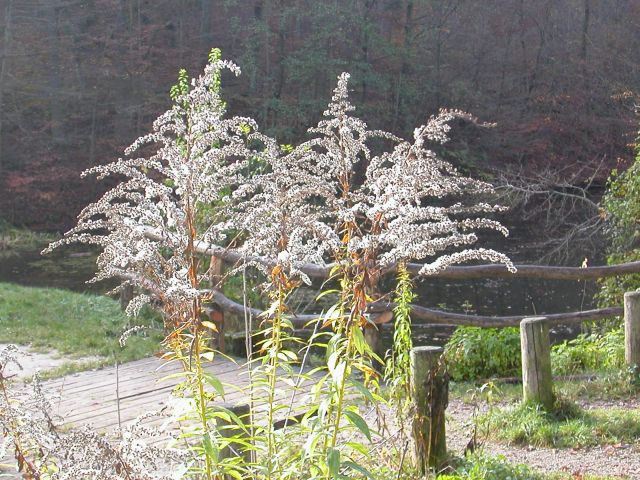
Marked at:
<point>70,268</point>
<point>66,268</point>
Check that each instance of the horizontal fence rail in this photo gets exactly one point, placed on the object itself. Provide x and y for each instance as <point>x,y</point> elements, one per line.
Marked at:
<point>427,314</point>
<point>458,273</point>
<point>533,271</point>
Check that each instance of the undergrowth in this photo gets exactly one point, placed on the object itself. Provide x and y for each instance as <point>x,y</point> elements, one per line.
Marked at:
<point>614,385</point>
<point>476,353</point>
<point>480,466</point>
<point>569,426</point>
<point>13,239</point>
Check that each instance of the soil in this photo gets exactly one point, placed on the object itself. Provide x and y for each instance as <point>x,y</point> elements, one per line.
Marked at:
<point>614,461</point>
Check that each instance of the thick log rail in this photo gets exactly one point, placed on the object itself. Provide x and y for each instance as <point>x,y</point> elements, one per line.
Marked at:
<point>453,273</point>
<point>430,315</point>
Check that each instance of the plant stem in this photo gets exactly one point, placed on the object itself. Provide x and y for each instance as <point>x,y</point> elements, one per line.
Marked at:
<point>275,348</point>
<point>195,322</point>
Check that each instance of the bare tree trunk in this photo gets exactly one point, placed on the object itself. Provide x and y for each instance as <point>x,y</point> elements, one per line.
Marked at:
<point>404,69</point>
<point>205,25</point>
<point>92,137</point>
<point>282,38</point>
<point>583,52</point>
<point>55,83</point>
<point>523,48</point>
<point>267,61</point>
<point>368,5</point>
<point>4,67</point>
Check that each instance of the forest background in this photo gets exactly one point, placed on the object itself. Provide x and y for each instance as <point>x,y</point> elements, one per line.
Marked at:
<point>81,79</point>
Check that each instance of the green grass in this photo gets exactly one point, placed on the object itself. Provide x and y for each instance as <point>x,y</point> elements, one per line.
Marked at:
<point>569,427</point>
<point>476,466</point>
<point>73,324</point>
<point>484,467</point>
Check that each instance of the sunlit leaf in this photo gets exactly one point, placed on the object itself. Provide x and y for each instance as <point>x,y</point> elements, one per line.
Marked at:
<point>358,422</point>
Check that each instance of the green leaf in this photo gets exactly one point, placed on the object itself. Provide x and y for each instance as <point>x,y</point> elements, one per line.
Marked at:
<point>358,340</point>
<point>325,293</point>
<point>358,447</point>
<point>358,422</point>
<point>208,356</point>
<point>215,383</point>
<point>234,474</point>
<point>210,449</point>
<point>359,469</point>
<point>364,391</point>
<point>333,462</point>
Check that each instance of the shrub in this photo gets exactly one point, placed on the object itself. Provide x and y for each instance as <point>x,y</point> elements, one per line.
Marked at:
<point>589,352</point>
<point>621,205</point>
<point>476,353</point>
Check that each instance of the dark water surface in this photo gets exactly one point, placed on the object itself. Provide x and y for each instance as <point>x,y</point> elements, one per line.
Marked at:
<point>66,268</point>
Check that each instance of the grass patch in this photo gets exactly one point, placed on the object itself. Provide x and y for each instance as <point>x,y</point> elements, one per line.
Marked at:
<point>475,466</point>
<point>74,324</point>
<point>484,467</point>
<point>569,427</point>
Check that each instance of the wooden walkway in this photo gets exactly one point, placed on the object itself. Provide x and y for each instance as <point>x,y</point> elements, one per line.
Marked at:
<point>113,397</point>
<point>110,397</point>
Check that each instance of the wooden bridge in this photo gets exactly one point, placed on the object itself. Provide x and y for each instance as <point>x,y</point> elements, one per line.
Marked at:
<point>114,396</point>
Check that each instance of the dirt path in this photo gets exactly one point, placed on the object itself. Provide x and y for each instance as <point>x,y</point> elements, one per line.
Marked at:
<point>32,361</point>
<point>620,460</point>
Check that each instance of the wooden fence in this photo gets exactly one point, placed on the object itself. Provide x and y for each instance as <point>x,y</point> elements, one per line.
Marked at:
<point>429,377</point>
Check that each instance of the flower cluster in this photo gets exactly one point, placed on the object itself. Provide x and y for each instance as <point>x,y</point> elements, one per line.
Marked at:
<point>410,202</point>
<point>403,202</point>
<point>140,224</point>
<point>402,210</point>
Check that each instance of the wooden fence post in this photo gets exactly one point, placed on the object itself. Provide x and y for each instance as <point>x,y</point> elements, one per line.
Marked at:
<point>126,295</point>
<point>216,315</point>
<point>632,328</point>
<point>537,384</point>
<point>430,390</point>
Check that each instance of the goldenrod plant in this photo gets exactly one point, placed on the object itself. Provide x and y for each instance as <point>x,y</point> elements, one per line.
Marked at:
<point>350,201</point>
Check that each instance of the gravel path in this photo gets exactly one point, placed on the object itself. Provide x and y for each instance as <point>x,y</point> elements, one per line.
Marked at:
<point>615,460</point>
